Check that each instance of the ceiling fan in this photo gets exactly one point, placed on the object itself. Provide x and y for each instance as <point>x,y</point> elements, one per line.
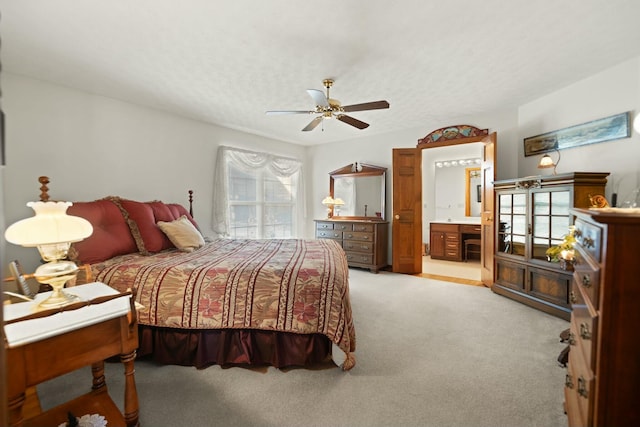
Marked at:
<point>328,108</point>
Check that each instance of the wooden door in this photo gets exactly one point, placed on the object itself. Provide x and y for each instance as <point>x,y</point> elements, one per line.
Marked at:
<point>407,212</point>
<point>487,209</point>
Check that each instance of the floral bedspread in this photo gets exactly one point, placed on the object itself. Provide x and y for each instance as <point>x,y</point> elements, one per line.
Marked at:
<point>287,285</point>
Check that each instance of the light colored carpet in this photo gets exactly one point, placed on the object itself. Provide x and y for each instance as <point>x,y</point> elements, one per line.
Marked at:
<point>429,353</point>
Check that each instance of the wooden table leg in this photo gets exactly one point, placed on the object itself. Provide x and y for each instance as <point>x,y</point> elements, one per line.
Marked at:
<point>131,405</point>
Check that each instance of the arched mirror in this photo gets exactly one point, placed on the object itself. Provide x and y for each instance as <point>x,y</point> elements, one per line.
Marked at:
<point>360,191</point>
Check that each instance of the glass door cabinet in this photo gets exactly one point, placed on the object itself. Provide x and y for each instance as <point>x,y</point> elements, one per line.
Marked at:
<point>533,215</point>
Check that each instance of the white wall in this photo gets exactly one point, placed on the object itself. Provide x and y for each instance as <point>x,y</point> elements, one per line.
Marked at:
<point>613,91</point>
<point>91,147</point>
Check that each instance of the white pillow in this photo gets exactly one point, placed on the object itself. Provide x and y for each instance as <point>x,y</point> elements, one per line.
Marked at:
<point>182,233</point>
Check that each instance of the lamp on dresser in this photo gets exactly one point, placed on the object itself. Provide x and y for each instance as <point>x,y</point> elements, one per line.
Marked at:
<point>52,231</point>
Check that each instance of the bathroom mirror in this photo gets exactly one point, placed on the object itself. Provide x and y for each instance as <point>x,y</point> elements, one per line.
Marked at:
<point>473,192</point>
<point>362,189</point>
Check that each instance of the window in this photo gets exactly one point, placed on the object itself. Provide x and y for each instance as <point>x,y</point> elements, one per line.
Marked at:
<point>258,195</point>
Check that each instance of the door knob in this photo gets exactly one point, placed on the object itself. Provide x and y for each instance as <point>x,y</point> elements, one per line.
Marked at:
<point>397,216</point>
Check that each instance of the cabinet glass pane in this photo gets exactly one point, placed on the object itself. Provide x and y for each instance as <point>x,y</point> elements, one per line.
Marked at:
<point>505,203</point>
<point>540,246</point>
<point>560,203</point>
<point>520,204</point>
<point>541,226</point>
<point>541,204</point>
<point>559,226</point>
<point>519,225</point>
<point>518,245</point>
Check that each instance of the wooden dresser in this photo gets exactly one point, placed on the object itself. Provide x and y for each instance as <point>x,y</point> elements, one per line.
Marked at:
<point>601,385</point>
<point>364,242</point>
<point>446,239</point>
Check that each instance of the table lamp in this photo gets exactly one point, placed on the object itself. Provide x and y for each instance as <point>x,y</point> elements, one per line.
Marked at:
<point>52,231</point>
<point>328,202</point>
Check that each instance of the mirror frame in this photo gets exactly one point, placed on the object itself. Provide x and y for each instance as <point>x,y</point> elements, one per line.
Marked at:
<point>468,189</point>
<point>360,170</point>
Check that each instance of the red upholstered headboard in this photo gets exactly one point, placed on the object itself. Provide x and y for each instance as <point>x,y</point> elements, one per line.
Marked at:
<point>111,234</point>
<point>122,226</point>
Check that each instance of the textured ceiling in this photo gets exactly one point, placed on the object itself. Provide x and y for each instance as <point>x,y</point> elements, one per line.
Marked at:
<point>227,62</point>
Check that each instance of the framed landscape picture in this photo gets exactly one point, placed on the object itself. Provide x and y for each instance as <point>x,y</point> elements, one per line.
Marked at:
<point>600,130</point>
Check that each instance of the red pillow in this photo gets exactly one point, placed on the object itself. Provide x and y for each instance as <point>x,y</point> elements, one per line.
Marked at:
<point>152,239</point>
<point>111,235</point>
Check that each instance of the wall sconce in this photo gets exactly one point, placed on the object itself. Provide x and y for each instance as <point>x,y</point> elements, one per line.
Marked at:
<point>547,162</point>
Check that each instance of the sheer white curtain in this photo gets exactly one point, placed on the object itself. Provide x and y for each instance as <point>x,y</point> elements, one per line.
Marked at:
<point>246,160</point>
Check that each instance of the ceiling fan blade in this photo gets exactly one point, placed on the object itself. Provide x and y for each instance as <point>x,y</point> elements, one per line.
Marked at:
<point>376,105</point>
<point>351,121</point>
<point>278,113</point>
<point>318,97</point>
<point>315,122</point>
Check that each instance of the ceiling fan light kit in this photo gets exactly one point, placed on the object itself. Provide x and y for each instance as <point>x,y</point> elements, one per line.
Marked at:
<point>328,108</point>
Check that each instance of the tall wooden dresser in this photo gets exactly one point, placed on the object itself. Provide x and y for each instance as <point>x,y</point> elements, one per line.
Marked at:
<point>603,378</point>
<point>364,242</point>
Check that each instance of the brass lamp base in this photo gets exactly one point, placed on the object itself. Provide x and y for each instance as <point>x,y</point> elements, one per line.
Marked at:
<point>56,274</point>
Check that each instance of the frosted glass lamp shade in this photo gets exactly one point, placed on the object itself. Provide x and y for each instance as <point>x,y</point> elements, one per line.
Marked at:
<point>328,201</point>
<point>50,225</point>
<point>546,162</point>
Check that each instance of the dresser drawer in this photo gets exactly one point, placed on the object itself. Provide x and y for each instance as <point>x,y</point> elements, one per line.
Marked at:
<point>358,245</point>
<point>584,327</point>
<point>437,226</point>
<point>324,225</point>
<point>589,236</point>
<point>363,227</point>
<point>328,234</point>
<point>470,229</point>
<point>578,385</point>
<point>357,235</point>
<point>587,275</point>
<point>359,257</point>
<point>452,238</point>
<point>343,226</point>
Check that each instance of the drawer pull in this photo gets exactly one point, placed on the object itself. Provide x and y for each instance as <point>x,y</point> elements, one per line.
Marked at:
<point>588,242</point>
<point>365,237</point>
<point>582,388</point>
<point>577,232</point>
<point>572,297</point>
<point>586,280</point>
<point>572,338</point>
<point>568,381</point>
<point>584,331</point>
<point>350,236</point>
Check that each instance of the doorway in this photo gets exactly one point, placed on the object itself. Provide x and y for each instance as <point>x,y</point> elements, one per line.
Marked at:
<point>450,183</point>
<point>407,198</point>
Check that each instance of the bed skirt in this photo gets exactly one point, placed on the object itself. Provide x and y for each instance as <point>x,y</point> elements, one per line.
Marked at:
<point>232,347</point>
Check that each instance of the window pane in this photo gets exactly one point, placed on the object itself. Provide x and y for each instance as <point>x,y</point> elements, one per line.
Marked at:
<point>278,189</point>
<point>278,222</point>
<point>519,224</point>
<point>242,185</point>
<point>243,222</point>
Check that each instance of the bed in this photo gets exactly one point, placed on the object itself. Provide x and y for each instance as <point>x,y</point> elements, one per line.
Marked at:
<point>275,302</point>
